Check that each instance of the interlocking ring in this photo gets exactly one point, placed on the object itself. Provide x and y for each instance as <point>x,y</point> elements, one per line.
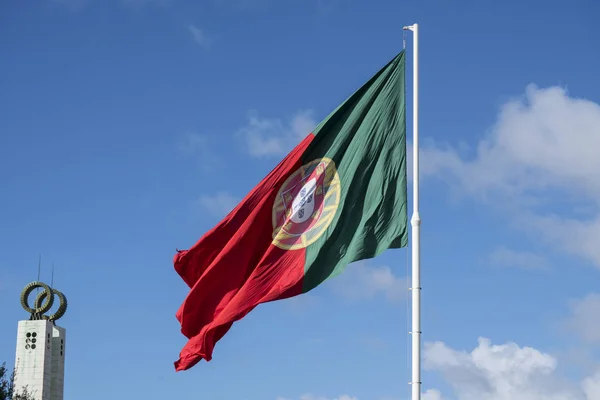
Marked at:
<point>43,301</point>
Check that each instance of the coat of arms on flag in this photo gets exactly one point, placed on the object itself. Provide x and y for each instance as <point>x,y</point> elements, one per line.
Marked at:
<point>306,204</point>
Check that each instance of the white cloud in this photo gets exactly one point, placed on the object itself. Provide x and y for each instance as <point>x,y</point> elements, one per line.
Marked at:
<point>217,205</point>
<point>542,152</point>
<point>361,281</point>
<point>505,257</point>
<point>200,37</point>
<point>498,372</point>
<point>584,318</point>
<point>271,137</point>
<point>591,386</point>
<point>432,394</point>
<point>504,372</point>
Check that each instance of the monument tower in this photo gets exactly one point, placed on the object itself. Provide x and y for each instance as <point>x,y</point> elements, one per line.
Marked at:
<point>41,344</point>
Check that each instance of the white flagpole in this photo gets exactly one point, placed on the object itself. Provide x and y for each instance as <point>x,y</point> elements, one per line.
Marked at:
<point>416,229</point>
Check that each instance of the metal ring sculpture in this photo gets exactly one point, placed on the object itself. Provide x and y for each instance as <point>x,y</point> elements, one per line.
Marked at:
<point>43,301</point>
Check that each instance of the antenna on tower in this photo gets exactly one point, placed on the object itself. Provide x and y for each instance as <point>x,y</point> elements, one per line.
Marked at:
<point>37,292</point>
<point>39,266</point>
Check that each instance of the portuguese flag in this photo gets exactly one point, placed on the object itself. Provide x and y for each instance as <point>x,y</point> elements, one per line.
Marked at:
<point>338,197</point>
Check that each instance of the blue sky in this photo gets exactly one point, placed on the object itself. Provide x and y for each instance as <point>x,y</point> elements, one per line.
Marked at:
<point>129,127</point>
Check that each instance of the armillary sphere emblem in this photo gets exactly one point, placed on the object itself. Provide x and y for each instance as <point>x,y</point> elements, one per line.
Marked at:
<point>43,302</point>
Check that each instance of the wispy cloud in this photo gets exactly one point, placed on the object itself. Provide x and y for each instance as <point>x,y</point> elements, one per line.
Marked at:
<point>193,142</point>
<point>142,3</point>
<point>325,7</point>
<point>217,205</point>
<point>348,397</point>
<point>73,5</point>
<point>242,5</point>
<point>302,303</point>
<point>201,147</point>
<point>76,5</point>
<point>362,282</point>
<point>583,321</point>
<point>541,161</point>
<point>263,137</point>
<point>313,397</point>
<point>200,37</point>
<point>374,342</point>
<point>505,257</point>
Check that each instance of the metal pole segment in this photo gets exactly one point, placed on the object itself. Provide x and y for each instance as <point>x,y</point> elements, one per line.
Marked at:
<point>416,229</point>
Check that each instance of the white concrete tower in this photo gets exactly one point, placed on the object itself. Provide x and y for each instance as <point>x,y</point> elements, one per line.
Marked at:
<point>41,346</point>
